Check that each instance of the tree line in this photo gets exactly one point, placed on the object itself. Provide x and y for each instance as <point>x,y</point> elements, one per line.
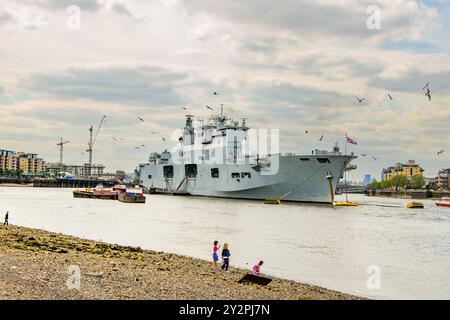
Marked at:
<point>399,182</point>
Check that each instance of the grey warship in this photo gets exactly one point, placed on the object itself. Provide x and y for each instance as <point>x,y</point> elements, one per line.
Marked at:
<point>214,158</point>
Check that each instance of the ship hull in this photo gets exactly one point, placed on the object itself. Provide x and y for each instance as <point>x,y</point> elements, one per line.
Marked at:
<point>311,178</point>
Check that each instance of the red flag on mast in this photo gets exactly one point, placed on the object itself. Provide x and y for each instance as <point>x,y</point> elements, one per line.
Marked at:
<point>350,140</point>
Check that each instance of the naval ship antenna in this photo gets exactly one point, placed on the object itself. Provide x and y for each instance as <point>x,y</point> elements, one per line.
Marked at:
<point>221,110</point>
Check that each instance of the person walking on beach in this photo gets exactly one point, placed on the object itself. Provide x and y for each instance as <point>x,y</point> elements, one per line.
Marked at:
<point>257,268</point>
<point>6,223</point>
<point>214,255</point>
<point>225,257</point>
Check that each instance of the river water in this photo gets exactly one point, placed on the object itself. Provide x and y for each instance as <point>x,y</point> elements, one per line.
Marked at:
<point>379,249</point>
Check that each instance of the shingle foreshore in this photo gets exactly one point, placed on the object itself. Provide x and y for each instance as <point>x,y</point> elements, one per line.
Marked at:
<point>36,264</point>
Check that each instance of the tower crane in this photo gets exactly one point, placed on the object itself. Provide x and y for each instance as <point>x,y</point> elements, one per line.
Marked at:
<point>93,138</point>
<point>61,149</point>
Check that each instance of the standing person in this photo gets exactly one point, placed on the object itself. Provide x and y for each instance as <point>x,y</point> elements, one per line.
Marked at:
<point>214,255</point>
<point>6,218</point>
<point>225,257</point>
<point>257,268</point>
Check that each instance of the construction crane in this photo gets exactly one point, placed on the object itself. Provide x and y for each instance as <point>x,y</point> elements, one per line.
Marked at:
<point>93,138</point>
<point>61,149</point>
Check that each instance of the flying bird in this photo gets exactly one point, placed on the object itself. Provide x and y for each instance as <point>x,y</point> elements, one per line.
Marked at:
<point>184,108</point>
<point>115,139</point>
<point>375,158</point>
<point>306,132</point>
<point>440,152</point>
<point>215,93</point>
<point>208,107</point>
<point>363,154</point>
<point>143,145</point>
<point>426,86</point>
<point>390,97</point>
<point>153,132</point>
<point>360,99</point>
<point>428,94</point>
<point>321,138</point>
<point>141,119</point>
<point>164,139</point>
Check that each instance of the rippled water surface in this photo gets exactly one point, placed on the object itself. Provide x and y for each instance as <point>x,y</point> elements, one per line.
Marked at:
<point>331,247</point>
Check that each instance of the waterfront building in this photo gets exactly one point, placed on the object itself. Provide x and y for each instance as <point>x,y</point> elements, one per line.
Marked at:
<point>26,163</point>
<point>8,160</point>
<point>409,170</point>
<point>367,180</point>
<point>442,179</point>
<point>56,168</point>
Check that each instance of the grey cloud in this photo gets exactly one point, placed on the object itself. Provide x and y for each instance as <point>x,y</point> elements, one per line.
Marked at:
<point>146,85</point>
<point>5,16</point>
<point>89,5</point>
<point>414,80</point>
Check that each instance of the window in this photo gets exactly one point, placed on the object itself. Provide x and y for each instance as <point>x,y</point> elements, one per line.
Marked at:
<point>304,159</point>
<point>246,175</point>
<point>168,171</point>
<point>235,175</point>
<point>214,172</point>
<point>323,160</point>
<point>149,176</point>
<point>190,170</point>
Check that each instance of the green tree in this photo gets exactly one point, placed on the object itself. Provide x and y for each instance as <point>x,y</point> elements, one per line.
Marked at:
<point>417,182</point>
<point>374,184</point>
<point>399,181</point>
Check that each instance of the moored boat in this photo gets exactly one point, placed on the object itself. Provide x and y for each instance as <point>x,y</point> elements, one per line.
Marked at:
<point>86,193</point>
<point>415,205</point>
<point>132,196</point>
<point>444,202</point>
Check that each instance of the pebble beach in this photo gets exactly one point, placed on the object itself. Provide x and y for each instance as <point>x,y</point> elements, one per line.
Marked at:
<point>36,264</point>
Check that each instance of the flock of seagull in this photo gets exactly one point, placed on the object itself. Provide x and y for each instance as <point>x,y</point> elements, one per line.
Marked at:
<point>427,93</point>
<point>426,90</point>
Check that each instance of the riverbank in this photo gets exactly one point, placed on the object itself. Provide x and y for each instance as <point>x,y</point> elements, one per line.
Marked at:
<point>34,265</point>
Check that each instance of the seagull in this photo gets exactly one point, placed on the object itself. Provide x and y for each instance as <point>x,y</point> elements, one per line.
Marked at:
<point>140,119</point>
<point>164,139</point>
<point>215,93</point>
<point>208,107</point>
<point>440,152</point>
<point>184,108</point>
<point>321,138</point>
<point>360,99</point>
<point>375,158</point>
<point>428,94</point>
<point>390,97</point>
<point>143,145</point>
<point>306,132</point>
<point>426,86</point>
<point>363,154</point>
<point>115,139</point>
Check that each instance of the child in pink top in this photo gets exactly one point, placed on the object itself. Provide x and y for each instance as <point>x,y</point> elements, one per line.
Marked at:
<point>214,255</point>
<point>257,268</point>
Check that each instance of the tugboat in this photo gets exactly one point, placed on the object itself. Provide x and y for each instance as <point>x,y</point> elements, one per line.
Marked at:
<point>445,202</point>
<point>135,195</point>
<point>97,193</point>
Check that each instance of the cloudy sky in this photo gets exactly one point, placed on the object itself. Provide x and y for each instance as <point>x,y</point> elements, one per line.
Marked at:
<point>293,65</point>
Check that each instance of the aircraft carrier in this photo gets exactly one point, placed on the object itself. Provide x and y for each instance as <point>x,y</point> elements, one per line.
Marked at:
<point>215,158</point>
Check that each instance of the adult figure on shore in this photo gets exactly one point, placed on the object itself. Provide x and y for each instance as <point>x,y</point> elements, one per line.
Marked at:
<point>225,257</point>
<point>215,257</point>
<point>257,268</point>
<point>6,223</point>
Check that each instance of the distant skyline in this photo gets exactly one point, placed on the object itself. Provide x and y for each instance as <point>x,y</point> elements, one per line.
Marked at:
<point>292,65</point>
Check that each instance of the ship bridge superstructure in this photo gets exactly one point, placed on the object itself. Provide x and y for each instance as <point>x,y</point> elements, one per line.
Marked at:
<point>218,139</point>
